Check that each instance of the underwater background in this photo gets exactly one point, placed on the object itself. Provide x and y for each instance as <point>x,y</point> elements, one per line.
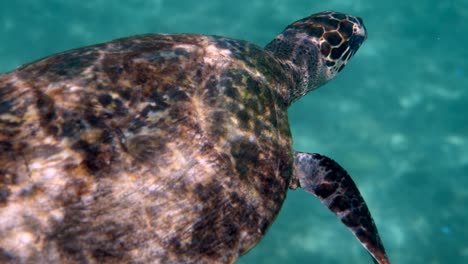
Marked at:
<point>396,118</point>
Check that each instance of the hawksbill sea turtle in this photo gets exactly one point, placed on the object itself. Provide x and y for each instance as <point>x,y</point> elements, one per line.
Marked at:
<point>167,148</point>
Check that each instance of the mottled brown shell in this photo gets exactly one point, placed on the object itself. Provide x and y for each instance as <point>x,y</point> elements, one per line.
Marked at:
<point>155,148</point>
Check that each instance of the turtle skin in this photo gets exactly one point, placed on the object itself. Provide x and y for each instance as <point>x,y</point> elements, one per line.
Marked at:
<point>149,149</point>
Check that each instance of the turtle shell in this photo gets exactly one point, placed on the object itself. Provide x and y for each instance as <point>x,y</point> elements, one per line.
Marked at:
<point>153,148</point>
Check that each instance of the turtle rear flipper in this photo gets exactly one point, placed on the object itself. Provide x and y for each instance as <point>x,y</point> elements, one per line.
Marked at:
<point>326,179</point>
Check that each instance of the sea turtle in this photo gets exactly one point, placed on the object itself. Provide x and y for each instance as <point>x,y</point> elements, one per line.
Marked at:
<point>167,148</point>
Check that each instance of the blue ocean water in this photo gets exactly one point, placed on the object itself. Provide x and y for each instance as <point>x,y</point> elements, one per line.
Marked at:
<point>396,118</point>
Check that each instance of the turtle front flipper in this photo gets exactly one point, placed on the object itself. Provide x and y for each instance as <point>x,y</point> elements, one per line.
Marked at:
<point>326,179</point>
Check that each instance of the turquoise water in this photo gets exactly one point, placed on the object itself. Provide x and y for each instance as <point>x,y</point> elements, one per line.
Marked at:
<point>396,118</point>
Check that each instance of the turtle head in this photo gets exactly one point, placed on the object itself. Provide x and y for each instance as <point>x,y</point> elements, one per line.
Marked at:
<point>317,48</point>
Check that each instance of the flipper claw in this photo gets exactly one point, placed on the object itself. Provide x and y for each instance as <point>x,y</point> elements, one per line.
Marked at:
<point>327,180</point>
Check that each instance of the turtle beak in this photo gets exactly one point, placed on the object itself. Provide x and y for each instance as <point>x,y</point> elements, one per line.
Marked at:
<point>356,41</point>
<point>358,37</point>
<point>361,28</point>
